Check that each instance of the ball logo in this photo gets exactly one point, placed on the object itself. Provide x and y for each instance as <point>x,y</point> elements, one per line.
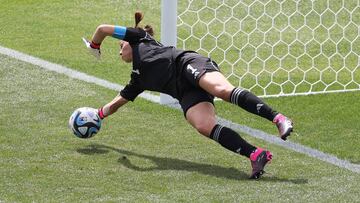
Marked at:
<point>83,118</point>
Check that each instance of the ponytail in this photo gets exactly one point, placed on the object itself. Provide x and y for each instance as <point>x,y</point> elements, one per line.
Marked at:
<point>138,17</point>
<point>149,30</point>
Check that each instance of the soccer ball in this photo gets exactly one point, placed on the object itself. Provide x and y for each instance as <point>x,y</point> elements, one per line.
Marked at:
<point>85,122</point>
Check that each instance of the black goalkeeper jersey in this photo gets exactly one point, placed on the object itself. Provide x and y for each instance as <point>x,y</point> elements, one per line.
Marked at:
<point>155,67</point>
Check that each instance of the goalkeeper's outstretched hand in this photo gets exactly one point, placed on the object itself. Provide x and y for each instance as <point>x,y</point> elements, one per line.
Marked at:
<point>101,113</point>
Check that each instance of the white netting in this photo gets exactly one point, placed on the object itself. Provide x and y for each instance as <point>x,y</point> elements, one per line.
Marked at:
<point>277,47</point>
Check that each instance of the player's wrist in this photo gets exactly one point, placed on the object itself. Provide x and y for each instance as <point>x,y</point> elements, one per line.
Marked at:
<point>101,113</point>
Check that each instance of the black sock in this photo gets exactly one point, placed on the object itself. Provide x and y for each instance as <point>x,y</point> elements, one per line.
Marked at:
<point>251,103</point>
<point>231,140</point>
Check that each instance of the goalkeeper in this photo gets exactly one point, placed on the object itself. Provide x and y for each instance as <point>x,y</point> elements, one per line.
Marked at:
<point>192,79</point>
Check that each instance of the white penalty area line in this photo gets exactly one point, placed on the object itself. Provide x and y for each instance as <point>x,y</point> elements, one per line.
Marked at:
<point>153,98</point>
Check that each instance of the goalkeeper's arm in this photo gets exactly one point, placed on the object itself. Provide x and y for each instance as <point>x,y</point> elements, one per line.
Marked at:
<point>128,34</point>
<point>112,106</point>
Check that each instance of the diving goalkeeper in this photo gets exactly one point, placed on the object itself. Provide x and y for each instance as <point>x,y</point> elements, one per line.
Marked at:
<point>194,80</point>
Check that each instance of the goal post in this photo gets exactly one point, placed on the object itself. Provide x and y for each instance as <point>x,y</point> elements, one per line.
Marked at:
<point>168,34</point>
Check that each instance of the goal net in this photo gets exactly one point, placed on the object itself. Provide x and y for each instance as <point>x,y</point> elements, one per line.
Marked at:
<point>277,47</point>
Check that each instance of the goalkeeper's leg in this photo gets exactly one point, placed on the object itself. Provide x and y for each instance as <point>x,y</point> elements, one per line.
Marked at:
<point>216,84</point>
<point>202,117</point>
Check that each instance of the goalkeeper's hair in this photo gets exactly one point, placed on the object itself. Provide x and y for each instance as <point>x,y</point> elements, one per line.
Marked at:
<point>138,17</point>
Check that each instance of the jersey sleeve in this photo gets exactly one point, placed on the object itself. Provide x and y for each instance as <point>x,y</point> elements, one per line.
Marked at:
<point>133,35</point>
<point>129,34</point>
<point>131,90</point>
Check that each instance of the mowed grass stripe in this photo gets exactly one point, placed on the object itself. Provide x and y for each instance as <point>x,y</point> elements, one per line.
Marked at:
<point>153,98</point>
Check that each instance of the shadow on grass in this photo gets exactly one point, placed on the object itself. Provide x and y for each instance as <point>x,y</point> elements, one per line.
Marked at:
<point>165,163</point>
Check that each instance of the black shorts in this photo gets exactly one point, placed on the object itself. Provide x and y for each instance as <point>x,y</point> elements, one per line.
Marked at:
<point>194,96</point>
<point>194,66</point>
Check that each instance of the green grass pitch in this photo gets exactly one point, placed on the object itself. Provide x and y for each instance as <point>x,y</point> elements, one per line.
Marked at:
<point>145,152</point>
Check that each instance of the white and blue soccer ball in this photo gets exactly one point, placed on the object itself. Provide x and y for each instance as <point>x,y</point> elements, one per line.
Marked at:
<point>85,122</point>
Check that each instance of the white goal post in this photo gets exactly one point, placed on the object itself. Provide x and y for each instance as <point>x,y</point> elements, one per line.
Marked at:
<point>273,47</point>
<point>168,34</point>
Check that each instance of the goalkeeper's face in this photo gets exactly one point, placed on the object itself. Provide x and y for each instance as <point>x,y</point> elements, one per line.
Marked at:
<point>125,52</point>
